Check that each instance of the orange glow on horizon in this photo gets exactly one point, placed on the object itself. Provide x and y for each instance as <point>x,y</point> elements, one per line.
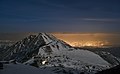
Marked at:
<point>89,43</point>
<point>81,40</point>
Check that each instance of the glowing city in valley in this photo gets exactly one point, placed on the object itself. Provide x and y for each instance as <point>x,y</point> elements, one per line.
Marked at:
<point>88,43</point>
<point>82,40</point>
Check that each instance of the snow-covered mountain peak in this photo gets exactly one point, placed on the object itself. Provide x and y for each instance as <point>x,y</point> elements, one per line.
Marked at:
<point>45,50</point>
<point>32,44</point>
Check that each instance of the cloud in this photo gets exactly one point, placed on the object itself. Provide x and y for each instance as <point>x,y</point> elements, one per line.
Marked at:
<point>101,19</point>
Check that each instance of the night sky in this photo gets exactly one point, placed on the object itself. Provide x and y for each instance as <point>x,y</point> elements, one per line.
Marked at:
<point>99,16</point>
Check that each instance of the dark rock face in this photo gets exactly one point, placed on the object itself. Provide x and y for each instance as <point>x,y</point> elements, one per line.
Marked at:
<point>48,49</point>
<point>25,48</point>
<point>114,70</point>
<point>1,65</point>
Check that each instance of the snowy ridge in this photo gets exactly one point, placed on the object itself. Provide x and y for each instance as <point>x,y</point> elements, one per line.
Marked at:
<point>44,50</point>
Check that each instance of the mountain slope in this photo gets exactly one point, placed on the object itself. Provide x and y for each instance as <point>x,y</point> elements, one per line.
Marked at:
<point>44,50</point>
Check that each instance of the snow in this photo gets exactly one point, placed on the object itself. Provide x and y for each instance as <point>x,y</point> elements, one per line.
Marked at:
<point>87,56</point>
<point>75,58</point>
<point>76,54</point>
<point>23,69</point>
<point>46,38</point>
<point>83,55</point>
<point>29,61</point>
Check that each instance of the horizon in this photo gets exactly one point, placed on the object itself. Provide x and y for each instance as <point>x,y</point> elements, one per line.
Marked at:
<point>74,39</point>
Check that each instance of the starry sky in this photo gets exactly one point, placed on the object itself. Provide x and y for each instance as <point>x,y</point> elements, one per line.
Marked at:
<point>99,16</point>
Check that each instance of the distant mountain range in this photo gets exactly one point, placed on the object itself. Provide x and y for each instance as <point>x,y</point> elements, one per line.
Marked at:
<point>43,50</point>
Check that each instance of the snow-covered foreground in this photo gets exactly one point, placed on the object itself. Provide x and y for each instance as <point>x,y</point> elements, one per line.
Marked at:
<point>23,69</point>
